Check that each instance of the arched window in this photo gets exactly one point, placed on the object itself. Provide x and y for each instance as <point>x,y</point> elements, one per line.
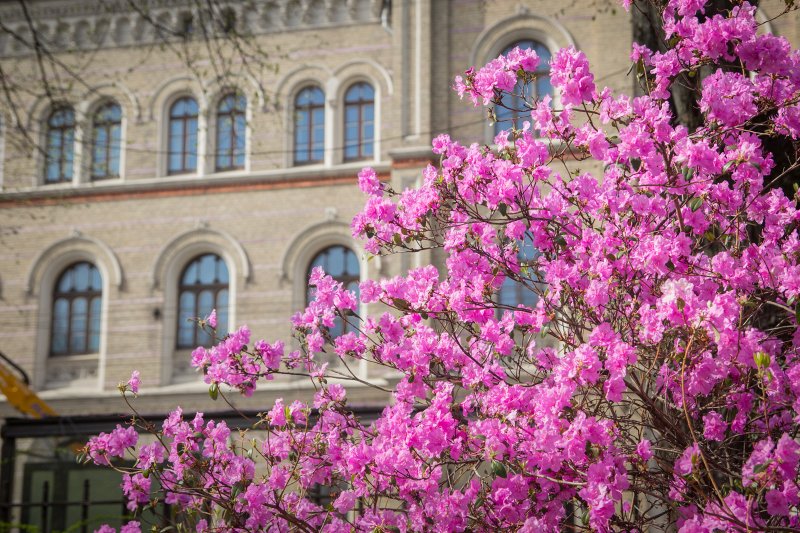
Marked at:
<point>342,265</point>
<point>512,112</point>
<point>203,287</point>
<point>77,300</point>
<point>183,136</point>
<point>513,293</point>
<point>309,126</point>
<point>231,132</point>
<point>106,139</point>
<point>359,121</point>
<point>60,145</point>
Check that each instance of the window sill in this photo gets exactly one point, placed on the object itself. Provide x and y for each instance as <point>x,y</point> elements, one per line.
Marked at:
<point>72,371</point>
<point>181,181</point>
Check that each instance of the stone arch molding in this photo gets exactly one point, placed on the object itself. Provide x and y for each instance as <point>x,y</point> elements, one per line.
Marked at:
<point>39,110</point>
<point>547,30</point>
<point>116,91</point>
<point>296,79</point>
<point>172,88</point>
<point>194,242</point>
<point>312,240</point>
<point>307,244</point>
<point>75,248</point>
<point>359,69</point>
<point>215,89</point>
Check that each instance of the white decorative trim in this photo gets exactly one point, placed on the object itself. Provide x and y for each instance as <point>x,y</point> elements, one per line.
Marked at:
<point>493,39</point>
<point>169,264</point>
<point>87,371</point>
<point>357,64</point>
<point>524,25</point>
<point>113,90</point>
<point>88,108</point>
<point>211,239</point>
<point>76,25</point>
<point>346,76</point>
<point>89,246</point>
<point>302,250</point>
<point>287,90</point>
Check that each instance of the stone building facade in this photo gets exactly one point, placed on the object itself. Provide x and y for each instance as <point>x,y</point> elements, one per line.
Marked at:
<point>256,172</point>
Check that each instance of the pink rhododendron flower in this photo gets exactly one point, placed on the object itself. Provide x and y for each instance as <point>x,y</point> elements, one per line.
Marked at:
<point>134,382</point>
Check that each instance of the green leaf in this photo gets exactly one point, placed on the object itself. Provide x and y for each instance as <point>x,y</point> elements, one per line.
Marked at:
<point>213,391</point>
<point>760,467</point>
<point>761,359</point>
<point>400,303</point>
<point>499,468</point>
<point>695,203</point>
<point>728,166</point>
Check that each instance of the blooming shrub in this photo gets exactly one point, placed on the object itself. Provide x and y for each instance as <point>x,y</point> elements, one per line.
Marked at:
<point>669,280</point>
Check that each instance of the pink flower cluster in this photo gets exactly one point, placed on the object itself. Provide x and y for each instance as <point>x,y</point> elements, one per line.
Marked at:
<point>647,367</point>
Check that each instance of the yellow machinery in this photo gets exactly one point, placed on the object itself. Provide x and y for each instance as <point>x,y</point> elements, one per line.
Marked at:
<point>18,392</point>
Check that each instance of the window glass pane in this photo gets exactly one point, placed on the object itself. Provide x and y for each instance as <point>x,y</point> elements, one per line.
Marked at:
<point>508,294</point>
<point>60,326</point>
<point>67,152</point>
<point>94,326</point>
<point>191,135</point>
<point>208,267</point>
<point>351,151</point>
<point>101,137</point>
<point>336,261</point>
<point>174,162</point>
<point>222,311</point>
<point>191,145</point>
<point>52,172</point>
<point>352,264</point>
<point>543,86</point>
<point>351,114</point>
<point>96,283</point>
<point>78,325</point>
<point>190,276</point>
<point>185,313</point>
<point>369,112</point>
<point>226,104</point>
<point>301,136</point>
<point>178,108</point>
<point>113,163</point>
<point>54,140</point>
<point>224,129</point>
<point>187,307</point>
<point>205,303</point>
<point>240,122</point>
<point>65,283</point>
<point>222,271</point>
<point>81,276</point>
